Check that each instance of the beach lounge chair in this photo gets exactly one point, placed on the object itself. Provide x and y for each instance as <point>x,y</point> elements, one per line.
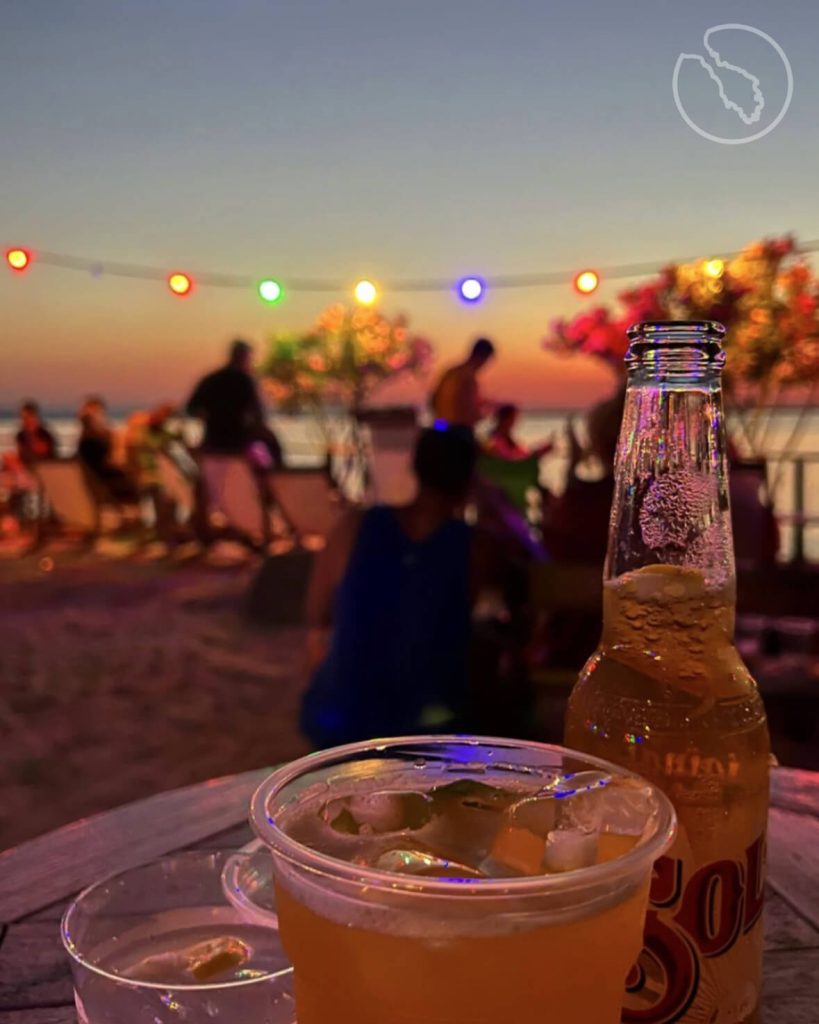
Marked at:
<point>177,487</point>
<point>70,496</point>
<point>306,500</point>
<point>392,435</point>
<point>235,501</point>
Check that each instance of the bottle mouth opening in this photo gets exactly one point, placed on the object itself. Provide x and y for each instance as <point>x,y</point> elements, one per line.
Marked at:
<point>676,331</point>
<point>676,344</point>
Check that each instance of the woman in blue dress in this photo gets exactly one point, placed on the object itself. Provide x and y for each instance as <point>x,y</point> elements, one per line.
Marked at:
<point>389,608</point>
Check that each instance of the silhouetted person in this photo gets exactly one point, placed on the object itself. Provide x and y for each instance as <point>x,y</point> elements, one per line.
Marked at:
<point>576,531</point>
<point>96,451</point>
<point>389,608</point>
<point>579,526</point>
<point>456,399</point>
<point>151,437</point>
<point>502,443</point>
<point>229,405</point>
<point>509,474</point>
<point>753,522</point>
<point>34,440</point>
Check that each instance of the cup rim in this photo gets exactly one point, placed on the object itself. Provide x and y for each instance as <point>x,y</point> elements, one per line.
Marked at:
<point>77,958</point>
<point>315,862</point>
<point>237,895</point>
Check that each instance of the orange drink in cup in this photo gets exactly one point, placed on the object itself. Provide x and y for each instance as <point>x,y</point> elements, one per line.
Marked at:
<point>459,880</point>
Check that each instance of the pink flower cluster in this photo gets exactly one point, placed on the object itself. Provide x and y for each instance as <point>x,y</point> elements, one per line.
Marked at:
<point>766,296</point>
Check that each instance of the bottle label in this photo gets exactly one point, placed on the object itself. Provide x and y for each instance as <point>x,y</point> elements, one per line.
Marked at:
<point>701,961</point>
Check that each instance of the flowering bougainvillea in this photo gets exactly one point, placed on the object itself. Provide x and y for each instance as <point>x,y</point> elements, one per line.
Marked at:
<point>342,360</point>
<point>767,297</point>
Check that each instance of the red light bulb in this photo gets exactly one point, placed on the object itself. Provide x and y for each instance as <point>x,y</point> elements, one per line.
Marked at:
<point>18,259</point>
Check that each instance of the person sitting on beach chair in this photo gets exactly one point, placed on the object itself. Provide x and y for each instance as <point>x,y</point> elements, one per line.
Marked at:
<point>512,468</point>
<point>34,440</point>
<point>161,466</point>
<point>96,450</point>
<point>502,443</point>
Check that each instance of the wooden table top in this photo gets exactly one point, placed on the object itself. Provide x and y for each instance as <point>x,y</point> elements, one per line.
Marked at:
<point>40,877</point>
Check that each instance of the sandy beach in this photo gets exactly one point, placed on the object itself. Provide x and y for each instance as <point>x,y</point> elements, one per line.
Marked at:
<point>120,679</point>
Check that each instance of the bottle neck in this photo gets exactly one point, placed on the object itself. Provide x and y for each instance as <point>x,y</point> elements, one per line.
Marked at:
<point>671,503</point>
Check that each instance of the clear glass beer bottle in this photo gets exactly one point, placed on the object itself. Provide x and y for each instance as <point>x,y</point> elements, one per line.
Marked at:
<point>666,692</point>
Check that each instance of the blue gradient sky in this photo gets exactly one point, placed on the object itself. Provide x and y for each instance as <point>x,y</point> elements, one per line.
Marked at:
<point>371,137</point>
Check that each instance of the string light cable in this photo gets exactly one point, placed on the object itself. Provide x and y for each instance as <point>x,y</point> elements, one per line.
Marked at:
<point>470,289</point>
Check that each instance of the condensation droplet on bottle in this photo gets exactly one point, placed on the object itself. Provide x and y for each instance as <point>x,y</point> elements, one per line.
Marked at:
<point>675,508</point>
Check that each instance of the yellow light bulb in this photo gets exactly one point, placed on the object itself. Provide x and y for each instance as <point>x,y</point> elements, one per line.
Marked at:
<point>18,259</point>
<point>365,293</point>
<point>586,282</point>
<point>180,284</point>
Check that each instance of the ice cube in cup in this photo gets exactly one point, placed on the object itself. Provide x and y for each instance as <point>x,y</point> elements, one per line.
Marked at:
<point>554,830</point>
<point>465,818</point>
<point>421,862</point>
<point>378,812</point>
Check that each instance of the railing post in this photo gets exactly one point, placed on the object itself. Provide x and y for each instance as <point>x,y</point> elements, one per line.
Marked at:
<point>799,510</point>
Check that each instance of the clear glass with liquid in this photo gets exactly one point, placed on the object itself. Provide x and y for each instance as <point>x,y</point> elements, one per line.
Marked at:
<point>159,944</point>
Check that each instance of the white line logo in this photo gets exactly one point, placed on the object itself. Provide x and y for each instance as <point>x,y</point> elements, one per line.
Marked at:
<point>747,116</point>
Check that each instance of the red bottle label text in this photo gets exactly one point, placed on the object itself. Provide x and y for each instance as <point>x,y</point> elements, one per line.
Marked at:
<point>690,921</point>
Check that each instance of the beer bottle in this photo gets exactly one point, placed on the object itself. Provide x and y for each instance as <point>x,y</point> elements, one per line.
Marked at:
<point>666,692</point>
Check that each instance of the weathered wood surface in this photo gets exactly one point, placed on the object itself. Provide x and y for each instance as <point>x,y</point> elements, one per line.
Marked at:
<point>35,983</point>
<point>795,790</point>
<point>44,1015</point>
<point>793,862</point>
<point>55,866</point>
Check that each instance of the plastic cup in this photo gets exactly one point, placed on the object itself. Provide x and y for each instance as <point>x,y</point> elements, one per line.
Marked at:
<point>160,944</point>
<point>375,946</point>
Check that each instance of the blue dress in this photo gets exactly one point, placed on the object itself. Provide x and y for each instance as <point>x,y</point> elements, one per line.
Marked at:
<point>397,662</point>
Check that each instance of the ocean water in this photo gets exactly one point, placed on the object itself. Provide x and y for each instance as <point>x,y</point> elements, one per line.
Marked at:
<point>785,431</point>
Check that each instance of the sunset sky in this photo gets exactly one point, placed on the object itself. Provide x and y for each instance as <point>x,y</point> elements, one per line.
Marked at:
<point>312,138</point>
